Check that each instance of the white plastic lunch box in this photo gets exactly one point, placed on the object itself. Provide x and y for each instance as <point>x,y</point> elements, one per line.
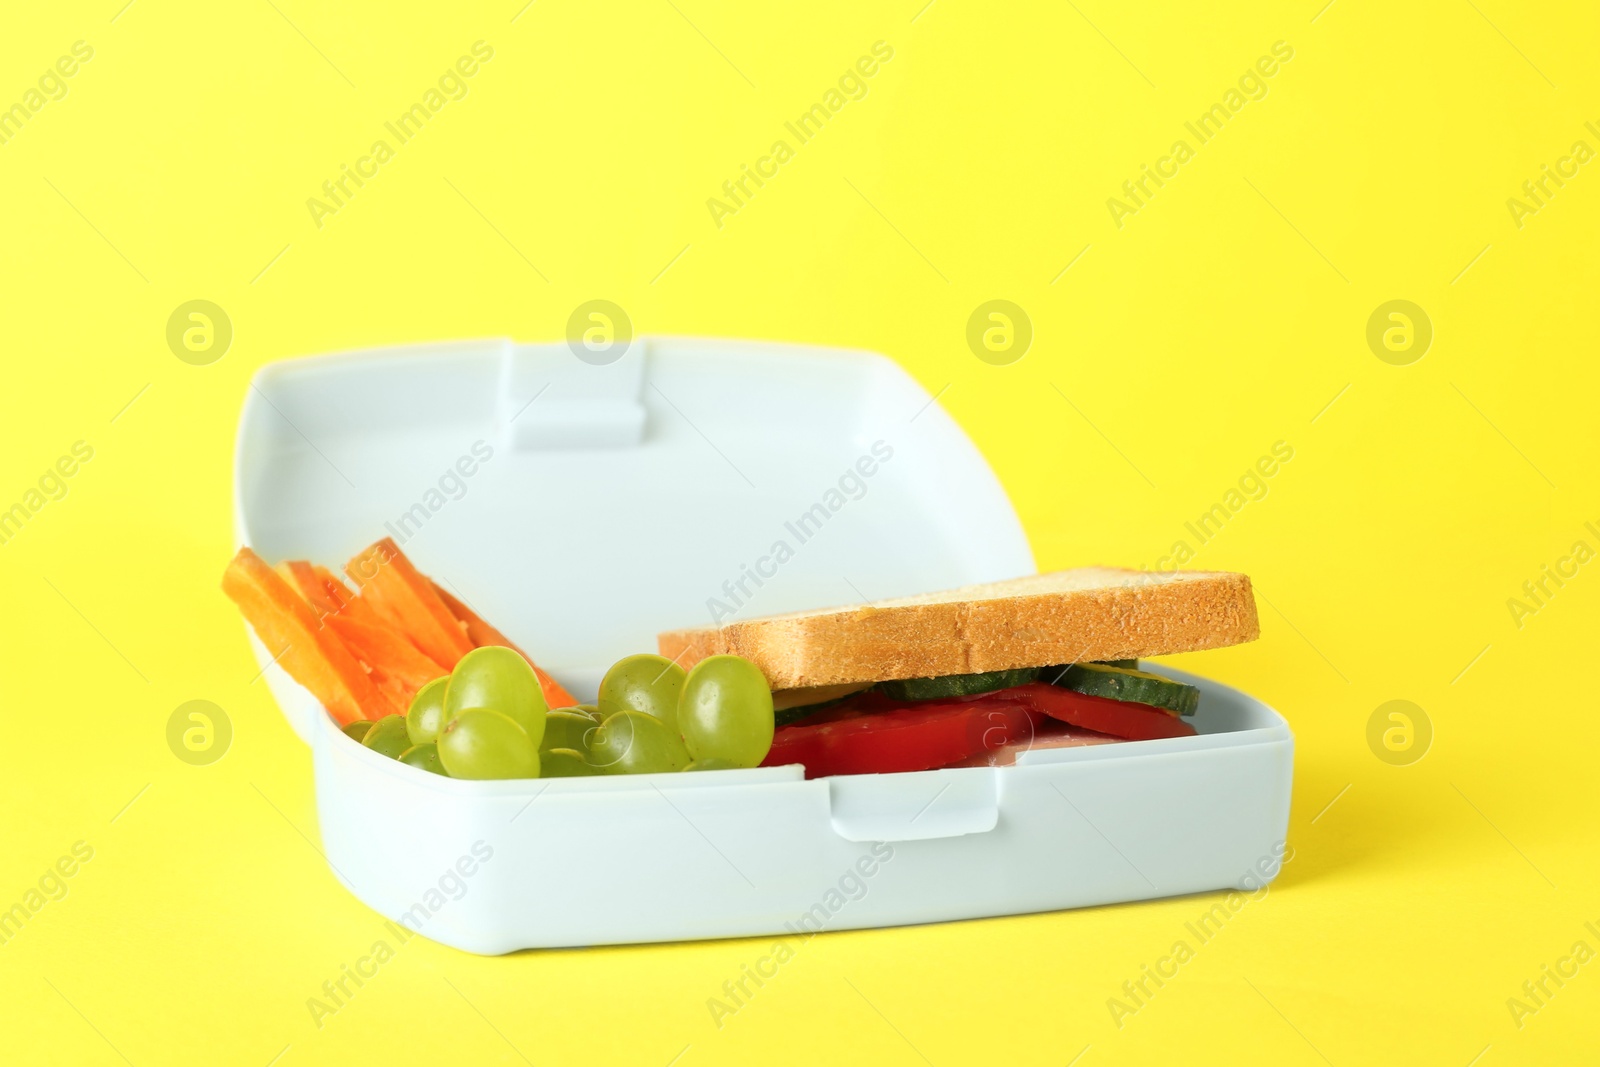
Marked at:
<point>584,507</point>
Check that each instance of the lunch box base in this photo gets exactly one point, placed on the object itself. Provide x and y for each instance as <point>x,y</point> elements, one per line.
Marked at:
<point>584,505</point>
<point>493,867</point>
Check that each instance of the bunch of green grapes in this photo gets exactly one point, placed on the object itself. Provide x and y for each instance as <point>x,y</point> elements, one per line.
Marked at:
<point>488,719</point>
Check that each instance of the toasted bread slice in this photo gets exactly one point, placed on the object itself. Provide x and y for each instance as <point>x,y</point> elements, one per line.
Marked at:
<point>1091,613</point>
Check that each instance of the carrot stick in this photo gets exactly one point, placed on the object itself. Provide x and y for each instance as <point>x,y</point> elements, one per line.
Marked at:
<point>385,650</point>
<point>397,667</point>
<point>408,600</point>
<point>314,656</point>
<point>348,601</point>
<point>302,578</point>
<point>482,634</point>
<point>393,690</point>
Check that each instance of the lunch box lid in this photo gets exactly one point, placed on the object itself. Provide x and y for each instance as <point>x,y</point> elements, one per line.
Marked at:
<point>585,499</point>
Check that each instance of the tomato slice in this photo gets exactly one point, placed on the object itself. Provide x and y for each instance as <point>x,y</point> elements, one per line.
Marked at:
<point>919,737</point>
<point>1119,718</point>
<point>871,734</point>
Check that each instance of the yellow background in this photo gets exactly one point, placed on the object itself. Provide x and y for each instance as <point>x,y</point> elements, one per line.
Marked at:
<point>1223,317</point>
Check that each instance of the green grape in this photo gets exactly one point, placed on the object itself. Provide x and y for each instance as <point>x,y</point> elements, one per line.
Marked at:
<point>481,743</point>
<point>726,711</point>
<point>591,710</point>
<point>631,742</point>
<point>388,735</point>
<point>712,763</point>
<point>425,756</point>
<point>426,716</point>
<point>496,677</point>
<point>564,763</point>
<point>358,729</point>
<point>566,728</point>
<point>642,683</point>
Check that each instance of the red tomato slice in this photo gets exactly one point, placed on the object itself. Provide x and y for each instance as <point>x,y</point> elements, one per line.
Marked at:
<point>871,734</point>
<point>1119,718</point>
<point>912,738</point>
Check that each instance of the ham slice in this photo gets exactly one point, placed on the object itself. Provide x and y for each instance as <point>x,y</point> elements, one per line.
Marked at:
<point>1050,734</point>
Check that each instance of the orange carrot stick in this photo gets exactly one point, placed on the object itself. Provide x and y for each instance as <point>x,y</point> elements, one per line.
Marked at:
<point>315,657</point>
<point>407,599</point>
<point>393,690</point>
<point>386,651</point>
<point>302,578</point>
<point>482,634</point>
<point>326,593</point>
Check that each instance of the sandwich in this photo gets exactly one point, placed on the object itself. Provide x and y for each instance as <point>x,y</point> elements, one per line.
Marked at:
<point>982,674</point>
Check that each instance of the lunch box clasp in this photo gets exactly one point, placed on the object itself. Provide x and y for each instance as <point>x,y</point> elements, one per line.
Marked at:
<point>553,398</point>
<point>914,807</point>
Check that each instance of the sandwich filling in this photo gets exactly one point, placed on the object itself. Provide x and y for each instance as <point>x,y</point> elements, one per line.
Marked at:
<point>918,724</point>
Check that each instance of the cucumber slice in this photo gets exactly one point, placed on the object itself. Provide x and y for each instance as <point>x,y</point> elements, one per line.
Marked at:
<point>1140,687</point>
<point>786,716</point>
<point>956,685</point>
<point>1056,673</point>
